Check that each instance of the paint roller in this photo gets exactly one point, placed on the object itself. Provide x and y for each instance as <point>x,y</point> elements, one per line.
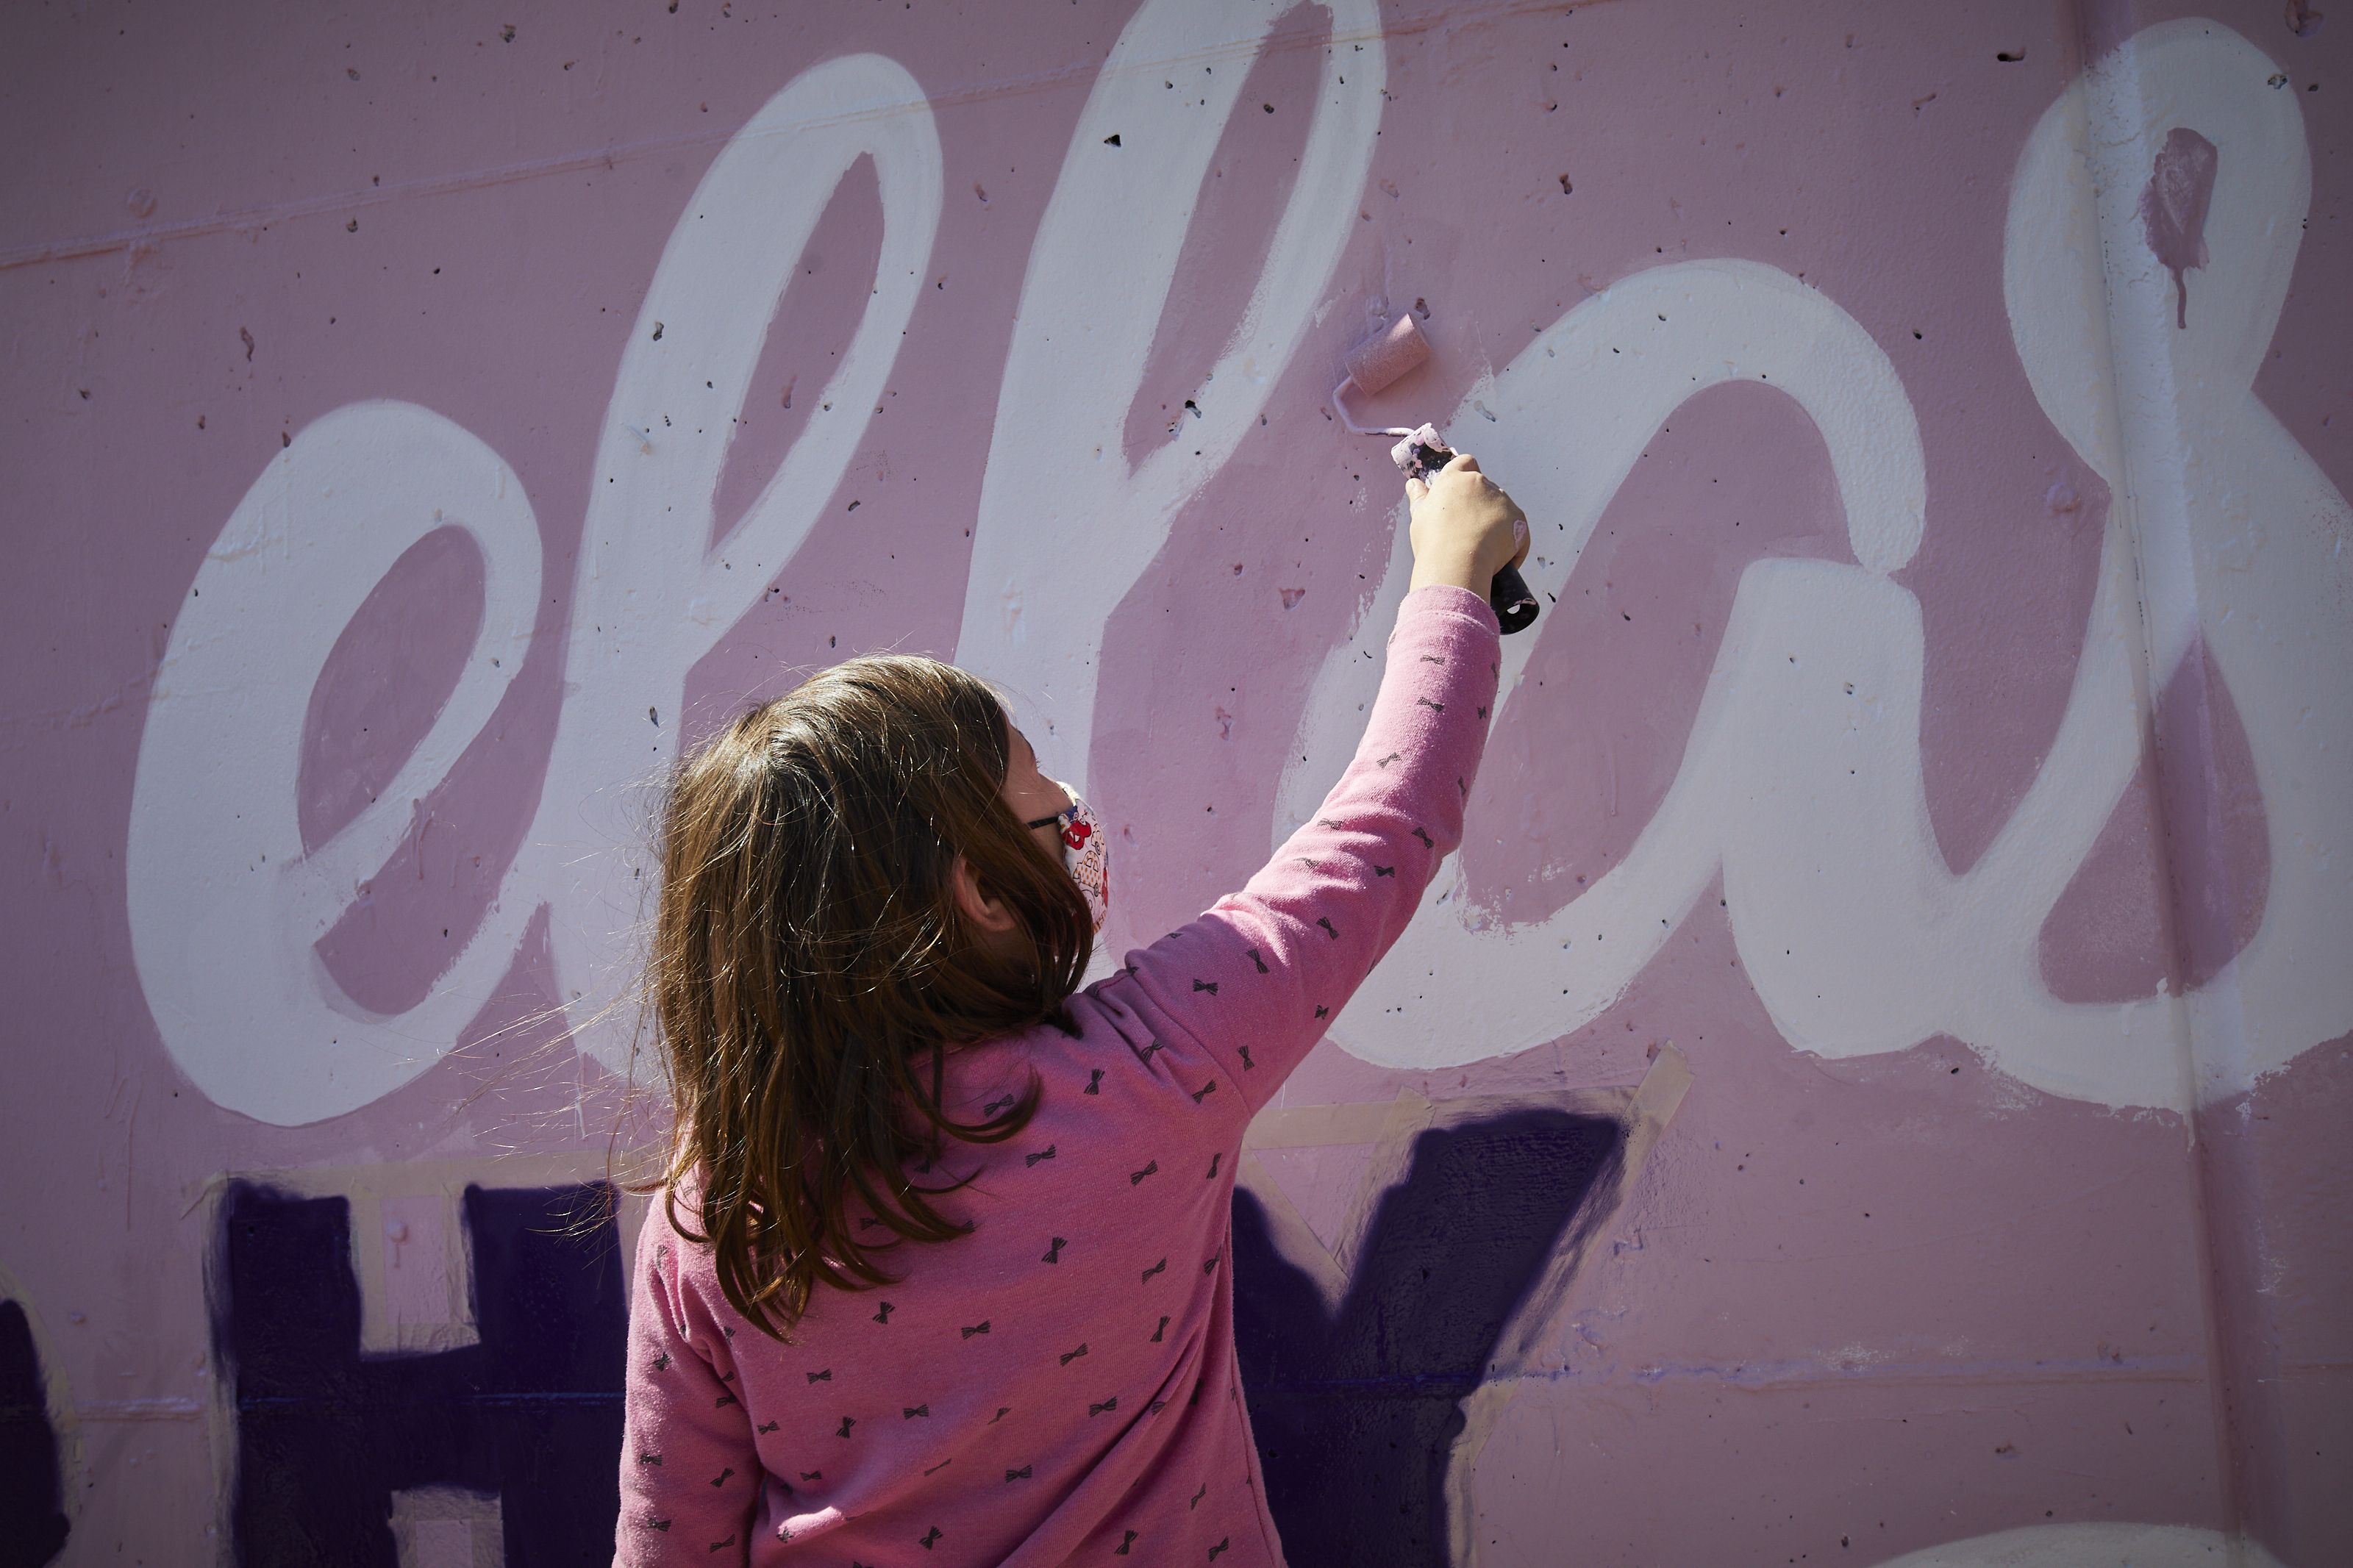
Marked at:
<point>1375,365</point>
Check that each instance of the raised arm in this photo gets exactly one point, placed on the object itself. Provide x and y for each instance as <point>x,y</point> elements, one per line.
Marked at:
<point>1244,991</point>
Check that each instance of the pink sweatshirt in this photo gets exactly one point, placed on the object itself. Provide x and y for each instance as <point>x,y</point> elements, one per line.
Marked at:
<point>1060,1386</point>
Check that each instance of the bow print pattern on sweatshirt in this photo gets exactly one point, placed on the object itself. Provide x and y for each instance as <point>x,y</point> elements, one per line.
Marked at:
<point>1060,1382</point>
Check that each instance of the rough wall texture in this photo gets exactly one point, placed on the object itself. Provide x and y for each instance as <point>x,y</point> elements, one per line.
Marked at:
<point>1872,1086</point>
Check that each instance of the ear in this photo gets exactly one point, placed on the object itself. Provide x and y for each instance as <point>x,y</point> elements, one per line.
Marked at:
<point>983,911</point>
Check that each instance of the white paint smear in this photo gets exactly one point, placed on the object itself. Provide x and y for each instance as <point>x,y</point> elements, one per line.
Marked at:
<point>1803,779</point>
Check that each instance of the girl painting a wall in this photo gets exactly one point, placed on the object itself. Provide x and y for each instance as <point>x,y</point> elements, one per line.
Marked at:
<point>938,1264</point>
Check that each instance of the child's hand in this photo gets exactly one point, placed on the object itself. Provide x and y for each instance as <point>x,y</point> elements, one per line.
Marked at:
<point>1464,528</point>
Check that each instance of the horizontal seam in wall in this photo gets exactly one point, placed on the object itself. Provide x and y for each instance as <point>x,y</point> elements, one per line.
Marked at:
<point>1405,1386</point>
<point>248,218</point>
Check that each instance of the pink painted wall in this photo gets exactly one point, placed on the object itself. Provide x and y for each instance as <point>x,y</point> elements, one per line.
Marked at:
<point>1944,617</point>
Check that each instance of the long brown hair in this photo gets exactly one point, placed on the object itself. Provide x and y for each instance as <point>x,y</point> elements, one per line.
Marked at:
<point>811,966</point>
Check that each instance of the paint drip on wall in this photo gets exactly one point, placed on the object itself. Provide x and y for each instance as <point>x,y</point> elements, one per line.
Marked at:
<point>2173,208</point>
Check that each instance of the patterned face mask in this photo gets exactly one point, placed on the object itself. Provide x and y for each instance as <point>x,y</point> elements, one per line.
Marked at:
<point>1084,851</point>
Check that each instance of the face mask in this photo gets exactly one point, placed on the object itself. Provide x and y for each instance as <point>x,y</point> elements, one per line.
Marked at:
<point>1086,854</point>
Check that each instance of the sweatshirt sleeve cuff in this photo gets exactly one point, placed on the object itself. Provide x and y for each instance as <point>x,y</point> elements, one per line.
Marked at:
<point>1433,598</point>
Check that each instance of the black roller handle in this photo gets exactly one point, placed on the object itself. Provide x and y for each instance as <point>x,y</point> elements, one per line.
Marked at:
<point>1515,609</point>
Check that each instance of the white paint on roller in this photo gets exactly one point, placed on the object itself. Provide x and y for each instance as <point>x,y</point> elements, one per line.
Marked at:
<point>1375,363</point>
